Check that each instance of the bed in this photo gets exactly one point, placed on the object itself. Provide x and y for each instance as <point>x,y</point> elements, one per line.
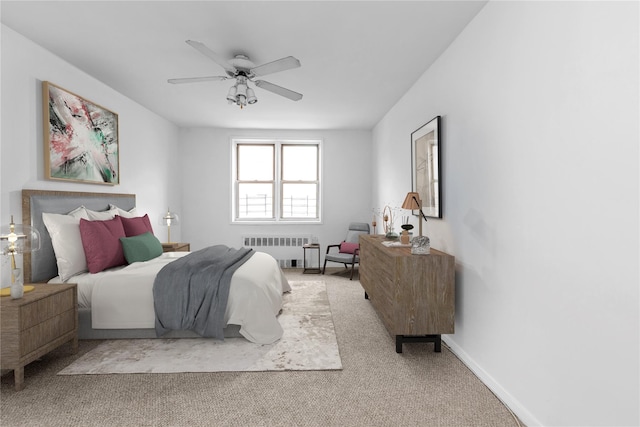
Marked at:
<point>118,302</point>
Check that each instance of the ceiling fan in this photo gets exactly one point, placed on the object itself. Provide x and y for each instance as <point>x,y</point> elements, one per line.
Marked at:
<point>243,71</point>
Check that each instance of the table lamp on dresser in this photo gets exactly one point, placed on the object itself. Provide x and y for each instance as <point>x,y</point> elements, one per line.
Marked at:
<point>420,245</point>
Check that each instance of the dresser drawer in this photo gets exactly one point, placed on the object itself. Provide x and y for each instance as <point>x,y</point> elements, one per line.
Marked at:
<point>47,331</point>
<point>43,309</point>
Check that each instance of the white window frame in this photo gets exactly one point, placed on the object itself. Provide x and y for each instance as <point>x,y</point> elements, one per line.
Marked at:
<point>278,181</point>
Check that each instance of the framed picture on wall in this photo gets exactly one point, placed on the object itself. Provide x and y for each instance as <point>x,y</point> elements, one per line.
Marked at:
<point>425,167</point>
<point>80,138</point>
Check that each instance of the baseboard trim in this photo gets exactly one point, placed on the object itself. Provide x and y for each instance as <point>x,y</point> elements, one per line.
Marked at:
<point>512,403</point>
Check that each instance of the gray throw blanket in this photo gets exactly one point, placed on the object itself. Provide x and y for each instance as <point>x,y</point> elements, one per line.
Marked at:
<point>192,292</point>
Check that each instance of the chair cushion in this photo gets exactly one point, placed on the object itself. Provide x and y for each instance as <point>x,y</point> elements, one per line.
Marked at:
<point>355,230</point>
<point>348,248</point>
<point>342,258</point>
<point>353,236</point>
<point>359,226</point>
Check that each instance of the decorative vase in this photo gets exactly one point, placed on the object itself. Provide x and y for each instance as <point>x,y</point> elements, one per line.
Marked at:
<point>17,288</point>
<point>391,235</point>
<point>404,237</point>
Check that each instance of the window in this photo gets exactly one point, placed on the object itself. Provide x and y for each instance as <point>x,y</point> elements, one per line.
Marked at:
<point>276,180</point>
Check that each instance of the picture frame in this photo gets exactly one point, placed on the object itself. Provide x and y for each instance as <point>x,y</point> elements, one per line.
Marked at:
<point>426,167</point>
<point>81,141</point>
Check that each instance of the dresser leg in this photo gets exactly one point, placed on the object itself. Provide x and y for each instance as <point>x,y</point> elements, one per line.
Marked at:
<point>366,295</point>
<point>435,339</point>
<point>437,342</point>
<point>18,375</point>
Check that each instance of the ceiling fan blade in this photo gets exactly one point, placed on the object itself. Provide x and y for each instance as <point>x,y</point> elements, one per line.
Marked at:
<point>197,79</point>
<point>212,55</point>
<point>294,96</point>
<point>278,65</point>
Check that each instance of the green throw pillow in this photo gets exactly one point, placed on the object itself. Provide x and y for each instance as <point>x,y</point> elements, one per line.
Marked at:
<point>142,247</point>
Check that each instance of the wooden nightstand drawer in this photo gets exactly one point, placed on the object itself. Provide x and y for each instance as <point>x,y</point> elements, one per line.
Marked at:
<point>41,310</point>
<point>42,333</point>
<point>35,324</point>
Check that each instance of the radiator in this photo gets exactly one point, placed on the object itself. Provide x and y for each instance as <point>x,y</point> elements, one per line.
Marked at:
<point>287,250</point>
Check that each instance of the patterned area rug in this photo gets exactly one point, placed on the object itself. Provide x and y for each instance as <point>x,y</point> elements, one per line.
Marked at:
<point>309,343</point>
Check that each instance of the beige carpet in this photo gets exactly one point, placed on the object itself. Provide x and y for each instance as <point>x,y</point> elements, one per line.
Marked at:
<point>308,343</point>
<point>376,387</point>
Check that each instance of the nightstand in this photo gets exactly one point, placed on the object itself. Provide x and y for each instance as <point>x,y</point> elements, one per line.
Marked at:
<point>311,269</point>
<point>39,322</point>
<point>176,247</point>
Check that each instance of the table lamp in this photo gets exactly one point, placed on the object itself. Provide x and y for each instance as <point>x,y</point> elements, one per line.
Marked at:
<point>18,239</point>
<point>169,219</point>
<point>413,202</point>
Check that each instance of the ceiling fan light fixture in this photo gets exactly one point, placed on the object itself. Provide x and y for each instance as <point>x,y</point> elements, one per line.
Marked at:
<point>242,89</point>
<point>231,96</point>
<point>251,96</point>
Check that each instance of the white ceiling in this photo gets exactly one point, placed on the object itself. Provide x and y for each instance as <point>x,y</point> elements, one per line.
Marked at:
<point>358,58</point>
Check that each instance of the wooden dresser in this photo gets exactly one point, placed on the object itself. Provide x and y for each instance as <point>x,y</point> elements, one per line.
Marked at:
<point>414,295</point>
<point>37,323</point>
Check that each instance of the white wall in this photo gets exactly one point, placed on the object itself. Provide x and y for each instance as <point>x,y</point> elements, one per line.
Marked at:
<point>540,139</point>
<point>539,102</point>
<point>206,194</point>
<point>148,143</point>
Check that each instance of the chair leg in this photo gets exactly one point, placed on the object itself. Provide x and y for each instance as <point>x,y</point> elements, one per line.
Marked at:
<point>353,266</point>
<point>324,266</point>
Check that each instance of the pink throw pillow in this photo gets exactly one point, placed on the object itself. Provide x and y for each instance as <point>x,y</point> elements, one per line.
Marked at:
<point>137,225</point>
<point>101,243</point>
<point>348,248</point>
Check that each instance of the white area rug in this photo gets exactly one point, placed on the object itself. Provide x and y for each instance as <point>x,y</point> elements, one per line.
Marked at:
<point>309,343</point>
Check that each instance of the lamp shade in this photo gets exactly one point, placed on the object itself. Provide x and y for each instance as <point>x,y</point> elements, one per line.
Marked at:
<point>169,219</point>
<point>251,96</point>
<point>18,239</point>
<point>231,96</point>
<point>412,201</point>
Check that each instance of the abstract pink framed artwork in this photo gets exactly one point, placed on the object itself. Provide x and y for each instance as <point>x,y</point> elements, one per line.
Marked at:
<point>80,138</point>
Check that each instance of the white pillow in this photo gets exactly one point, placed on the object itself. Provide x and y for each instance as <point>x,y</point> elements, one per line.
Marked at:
<point>79,212</point>
<point>132,213</point>
<point>67,243</point>
<point>101,216</point>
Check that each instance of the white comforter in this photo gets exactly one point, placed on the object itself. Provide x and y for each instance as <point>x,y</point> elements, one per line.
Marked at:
<point>122,298</point>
